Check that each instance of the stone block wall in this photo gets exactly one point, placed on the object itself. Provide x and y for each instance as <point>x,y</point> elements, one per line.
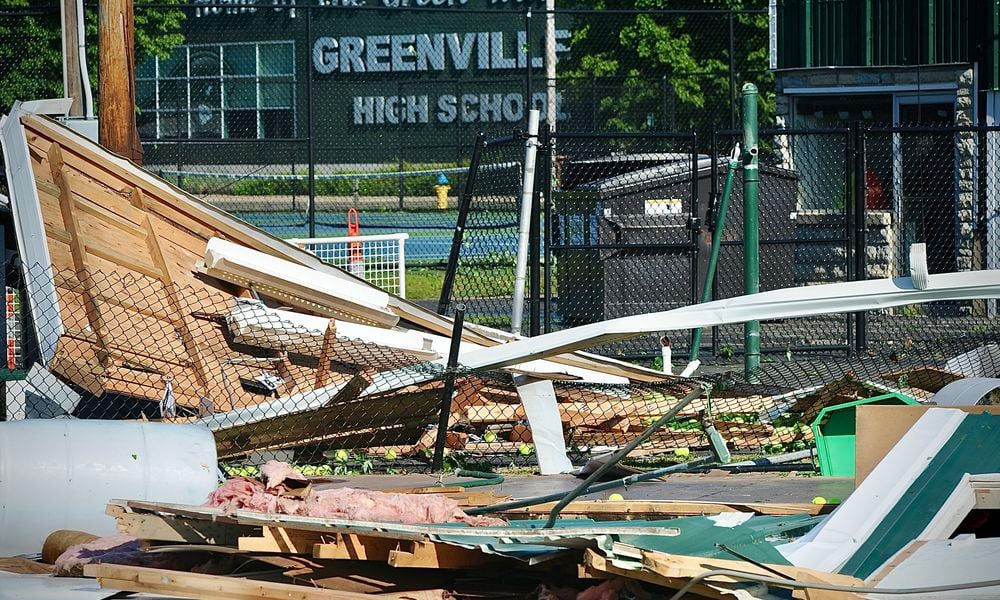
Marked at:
<point>827,263</point>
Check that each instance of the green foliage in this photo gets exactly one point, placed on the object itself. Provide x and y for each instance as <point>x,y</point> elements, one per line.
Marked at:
<point>671,67</point>
<point>31,46</point>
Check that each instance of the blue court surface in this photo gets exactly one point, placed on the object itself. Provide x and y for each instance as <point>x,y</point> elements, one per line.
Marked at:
<point>431,233</point>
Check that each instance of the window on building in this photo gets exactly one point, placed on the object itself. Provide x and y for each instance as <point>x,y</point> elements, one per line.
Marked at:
<point>821,189</point>
<point>213,91</point>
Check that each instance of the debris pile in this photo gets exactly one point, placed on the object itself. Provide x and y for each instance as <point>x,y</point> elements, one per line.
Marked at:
<point>928,501</point>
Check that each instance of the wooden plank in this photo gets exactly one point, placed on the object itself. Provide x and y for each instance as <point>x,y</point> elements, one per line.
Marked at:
<point>441,556</point>
<point>283,540</point>
<point>660,509</point>
<point>84,204</point>
<point>210,587</point>
<point>598,563</point>
<point>187,530</point>
<point>686,567</point>
<point>356,547</point>
<point>122,260</point>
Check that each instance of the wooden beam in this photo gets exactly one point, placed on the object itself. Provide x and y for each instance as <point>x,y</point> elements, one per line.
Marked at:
<point>210,587</point>
<point>78,249</point>
<point>116,124</point>
<point>173,297</point>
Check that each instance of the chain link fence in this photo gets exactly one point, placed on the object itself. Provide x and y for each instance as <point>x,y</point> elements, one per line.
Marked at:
<point>259,383</point>
<point>628,221</point>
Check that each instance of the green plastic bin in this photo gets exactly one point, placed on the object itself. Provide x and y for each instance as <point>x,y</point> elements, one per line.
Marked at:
<point>834,429</point>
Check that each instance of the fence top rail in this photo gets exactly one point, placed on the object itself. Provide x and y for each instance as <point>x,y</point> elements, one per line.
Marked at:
<point>223,141</point>
<point>790,131</point>
<point>934,129</point>
<point>380,237</point>
<point>584,135</point>
<point>318,177</point>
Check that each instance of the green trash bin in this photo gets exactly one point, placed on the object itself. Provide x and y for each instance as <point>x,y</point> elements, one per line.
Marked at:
<point>834,429</point>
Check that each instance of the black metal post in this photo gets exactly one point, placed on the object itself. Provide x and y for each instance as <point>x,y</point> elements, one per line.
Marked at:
<point>310,143</point>
<point>463,215</point>
<point>710,216</point>
<point>534,250</point>
<point>399,128</point>
<point>860,233</point>
<point>593,103</point>
<point>982,243</point>
<point>449,388</point>
<point>732,72</point>
<point>849,233</point>
<point>548,225</point>
<point>694,224</point>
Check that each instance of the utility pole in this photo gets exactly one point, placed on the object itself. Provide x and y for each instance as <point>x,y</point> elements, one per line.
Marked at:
<point>116,122</point>
<point>72,83</point>
<point>751,228</point>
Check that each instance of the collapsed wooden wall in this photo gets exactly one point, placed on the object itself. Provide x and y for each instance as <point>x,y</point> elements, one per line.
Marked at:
<point>123,254</point>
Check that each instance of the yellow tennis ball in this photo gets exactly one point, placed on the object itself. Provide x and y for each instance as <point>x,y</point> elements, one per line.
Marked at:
<point>819,500</point>
<point>616,497</point>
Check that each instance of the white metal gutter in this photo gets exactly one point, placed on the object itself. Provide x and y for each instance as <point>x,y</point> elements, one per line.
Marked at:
<point>786,303</point>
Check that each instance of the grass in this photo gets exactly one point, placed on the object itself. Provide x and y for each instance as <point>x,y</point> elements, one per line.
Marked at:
<point>373,185</point>
<point>424,283</point>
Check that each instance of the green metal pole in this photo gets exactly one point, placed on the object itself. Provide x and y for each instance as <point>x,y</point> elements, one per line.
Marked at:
<point>751,228</point>
<point>713,257</point>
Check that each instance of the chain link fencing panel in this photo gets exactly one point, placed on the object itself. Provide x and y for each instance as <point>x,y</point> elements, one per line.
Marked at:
<point>126,351</point>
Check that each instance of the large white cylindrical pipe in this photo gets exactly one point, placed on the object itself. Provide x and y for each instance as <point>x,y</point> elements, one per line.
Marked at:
<point>527,190</point>
<point>61,473</point>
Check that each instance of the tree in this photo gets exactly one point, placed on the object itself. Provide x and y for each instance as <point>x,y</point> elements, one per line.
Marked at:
<point>668,70</point>
<point>31,46</point>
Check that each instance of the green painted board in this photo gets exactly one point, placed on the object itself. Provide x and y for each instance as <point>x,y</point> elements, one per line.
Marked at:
<point>974,449</point>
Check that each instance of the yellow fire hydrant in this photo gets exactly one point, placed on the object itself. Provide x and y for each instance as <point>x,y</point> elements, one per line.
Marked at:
<point>441,189</point>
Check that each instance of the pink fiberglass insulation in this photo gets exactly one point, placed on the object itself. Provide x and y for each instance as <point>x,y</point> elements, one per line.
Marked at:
<point>125,550</point>
<point>343,503</point>
<point>275,473</point>
<point>366,505</point>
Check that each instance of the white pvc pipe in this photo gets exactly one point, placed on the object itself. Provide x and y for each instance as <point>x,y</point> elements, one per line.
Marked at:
<point>81,38</point>
<point>61,473</point>
<point>527,190</point>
